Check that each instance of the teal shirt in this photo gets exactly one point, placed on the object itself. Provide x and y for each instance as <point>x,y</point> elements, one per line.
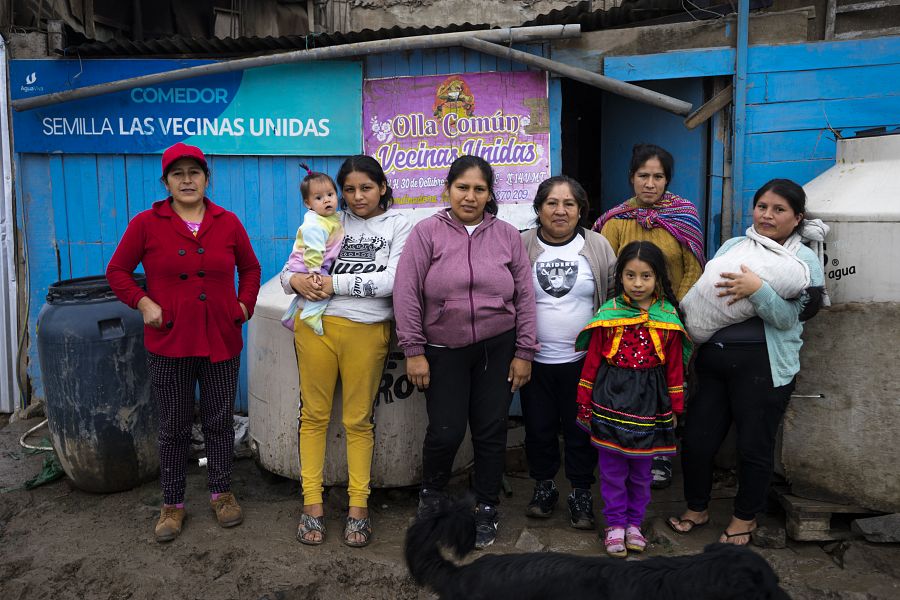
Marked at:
<point>780,317</point>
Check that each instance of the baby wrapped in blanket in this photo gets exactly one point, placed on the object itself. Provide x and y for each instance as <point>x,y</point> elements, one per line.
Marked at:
<point>776,264</point>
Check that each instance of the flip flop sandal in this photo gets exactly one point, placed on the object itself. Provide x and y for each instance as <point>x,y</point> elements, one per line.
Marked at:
<point>694,525</point>
<point>729,536</point>
<point>363,527</point>
<point>309,524</point>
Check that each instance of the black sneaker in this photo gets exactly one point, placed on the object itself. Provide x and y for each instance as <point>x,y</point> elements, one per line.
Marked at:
<point>581,509</point>
<point>486,520</point>
<point>430,502</point>
<point>543,501</point>
<point>662,472</point>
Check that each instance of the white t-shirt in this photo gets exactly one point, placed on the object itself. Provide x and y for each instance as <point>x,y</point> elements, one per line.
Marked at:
<point>564,291</point>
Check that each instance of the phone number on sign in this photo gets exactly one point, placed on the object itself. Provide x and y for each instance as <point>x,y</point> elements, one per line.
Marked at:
<point>516,195</point>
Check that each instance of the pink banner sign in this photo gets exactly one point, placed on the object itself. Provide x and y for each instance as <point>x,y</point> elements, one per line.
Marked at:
<point>416,126</point>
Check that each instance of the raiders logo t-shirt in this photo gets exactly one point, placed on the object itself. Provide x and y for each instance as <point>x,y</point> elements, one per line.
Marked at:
<point>564,290</point>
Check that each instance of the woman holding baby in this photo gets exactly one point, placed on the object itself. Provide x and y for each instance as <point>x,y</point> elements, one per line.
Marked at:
<point>746,367</point>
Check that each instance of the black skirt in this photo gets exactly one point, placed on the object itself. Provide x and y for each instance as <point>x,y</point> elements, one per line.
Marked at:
<point>632,411</point>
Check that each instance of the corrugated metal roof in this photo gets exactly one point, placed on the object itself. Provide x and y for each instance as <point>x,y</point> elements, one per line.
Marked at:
<point>630,11</point>
<point>246,46</point>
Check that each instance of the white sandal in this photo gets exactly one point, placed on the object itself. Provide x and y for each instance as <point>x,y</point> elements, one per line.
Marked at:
<point>614,541</point>
<point>634,539</point>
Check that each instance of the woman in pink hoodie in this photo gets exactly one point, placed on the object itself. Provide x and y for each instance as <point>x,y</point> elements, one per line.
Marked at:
<point>465,310</point>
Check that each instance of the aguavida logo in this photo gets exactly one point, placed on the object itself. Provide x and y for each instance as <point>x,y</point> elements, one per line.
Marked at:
<point>30,81</point>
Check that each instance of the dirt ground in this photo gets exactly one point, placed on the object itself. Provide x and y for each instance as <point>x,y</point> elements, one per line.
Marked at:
<point>59,542</point>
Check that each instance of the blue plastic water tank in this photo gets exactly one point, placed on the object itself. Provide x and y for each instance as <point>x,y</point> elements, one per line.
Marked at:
<point>102,418</point>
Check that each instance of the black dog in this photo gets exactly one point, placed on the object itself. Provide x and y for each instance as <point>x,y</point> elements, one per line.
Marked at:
<point>721,572</point>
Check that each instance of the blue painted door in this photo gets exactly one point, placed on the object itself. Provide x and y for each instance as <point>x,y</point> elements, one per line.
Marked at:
<point>626,123</point>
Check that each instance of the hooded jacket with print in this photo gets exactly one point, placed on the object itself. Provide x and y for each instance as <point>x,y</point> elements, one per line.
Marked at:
<point>454,289</point>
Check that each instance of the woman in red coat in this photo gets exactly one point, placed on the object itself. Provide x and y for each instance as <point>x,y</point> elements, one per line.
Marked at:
<point>190,248</point>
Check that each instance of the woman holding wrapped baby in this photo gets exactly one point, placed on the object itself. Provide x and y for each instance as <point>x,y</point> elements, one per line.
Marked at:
<point>747,310</point>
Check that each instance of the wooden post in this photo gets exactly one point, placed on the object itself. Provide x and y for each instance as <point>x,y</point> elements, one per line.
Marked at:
<point>137,21</point>
<point>830,16</point>
<point>90,29</point>
<point>711,107</point>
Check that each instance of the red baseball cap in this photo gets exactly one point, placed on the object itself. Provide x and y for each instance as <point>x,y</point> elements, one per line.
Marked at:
<point>179,151</point>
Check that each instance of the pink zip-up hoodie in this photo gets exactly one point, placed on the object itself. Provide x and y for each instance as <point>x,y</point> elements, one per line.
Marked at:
<point>453,289</point>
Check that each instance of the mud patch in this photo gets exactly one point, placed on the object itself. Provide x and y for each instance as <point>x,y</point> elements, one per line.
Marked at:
<point>61,543</point>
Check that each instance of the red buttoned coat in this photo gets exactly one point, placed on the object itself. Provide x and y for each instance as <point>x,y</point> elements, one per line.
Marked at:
<point>191,278</point>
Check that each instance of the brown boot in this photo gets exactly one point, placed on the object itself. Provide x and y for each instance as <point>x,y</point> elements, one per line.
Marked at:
<point>169,525</point>
<point>227,510</point>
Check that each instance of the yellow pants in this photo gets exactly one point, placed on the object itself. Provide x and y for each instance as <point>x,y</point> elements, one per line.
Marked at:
<point>356,352</point>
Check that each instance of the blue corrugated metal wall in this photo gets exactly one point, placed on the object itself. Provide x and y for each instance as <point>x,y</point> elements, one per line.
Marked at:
<point>800,98</point>
<point>72,209</point>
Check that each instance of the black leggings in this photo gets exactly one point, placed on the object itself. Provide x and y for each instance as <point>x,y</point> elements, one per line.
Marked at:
<point>734,382</point>
<point>468,384</point>
<point>548,405</point>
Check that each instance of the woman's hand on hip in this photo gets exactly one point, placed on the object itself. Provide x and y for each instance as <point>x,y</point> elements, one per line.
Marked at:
<point>737,286</point>
<point>246,312</point>
<point>151,312</point>
<point>519,373</point>
<point>418,371</point>
<point>307,286</point>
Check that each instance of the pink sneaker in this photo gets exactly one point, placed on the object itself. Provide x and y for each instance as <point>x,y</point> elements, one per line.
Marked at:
<point>614,541</point>
<point>634,539</point>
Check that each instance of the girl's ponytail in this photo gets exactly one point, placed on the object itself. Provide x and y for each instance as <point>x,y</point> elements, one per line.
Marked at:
<point>669,295</point>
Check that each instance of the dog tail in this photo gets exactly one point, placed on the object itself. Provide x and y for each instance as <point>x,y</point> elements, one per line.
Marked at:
<point>452,526</point>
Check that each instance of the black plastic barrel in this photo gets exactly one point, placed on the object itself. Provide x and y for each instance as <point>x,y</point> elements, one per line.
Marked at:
<point>103,422</point>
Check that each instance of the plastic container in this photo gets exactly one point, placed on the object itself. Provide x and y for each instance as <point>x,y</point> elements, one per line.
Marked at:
<point>859,197</point>
<point>274,394</point>
<point>102,419</point>
<point>839,442</point>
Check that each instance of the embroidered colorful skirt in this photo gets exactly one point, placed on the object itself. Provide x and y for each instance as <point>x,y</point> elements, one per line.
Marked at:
<point>631,411</point>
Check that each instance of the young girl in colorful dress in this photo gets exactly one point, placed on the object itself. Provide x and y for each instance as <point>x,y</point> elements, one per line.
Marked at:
<point>631,388</point>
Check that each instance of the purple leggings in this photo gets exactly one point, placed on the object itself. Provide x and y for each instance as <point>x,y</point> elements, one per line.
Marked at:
<point>624,486</point>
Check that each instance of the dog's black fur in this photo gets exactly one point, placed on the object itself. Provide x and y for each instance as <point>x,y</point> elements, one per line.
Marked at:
<point>721,572</point>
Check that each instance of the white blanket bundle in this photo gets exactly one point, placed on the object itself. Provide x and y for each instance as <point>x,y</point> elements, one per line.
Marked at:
<point>778,265</point>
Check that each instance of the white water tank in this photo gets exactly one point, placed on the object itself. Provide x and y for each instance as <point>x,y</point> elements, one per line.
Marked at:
<point>274,394</point>
<point>842,446</point>
<point>860,198</point>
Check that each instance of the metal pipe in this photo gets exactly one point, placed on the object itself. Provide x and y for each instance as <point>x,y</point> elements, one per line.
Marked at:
<point>508,35</point>
<point>740,117</point>
<point>628,90</point>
